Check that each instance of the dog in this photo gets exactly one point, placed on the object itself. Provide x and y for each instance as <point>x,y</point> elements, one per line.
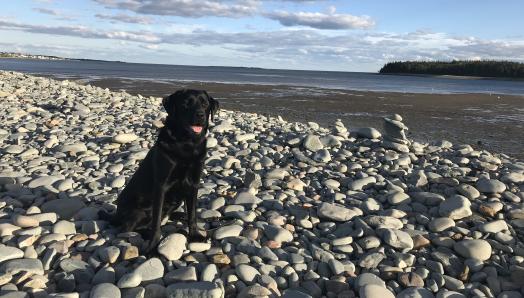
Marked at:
<point>171,171</point>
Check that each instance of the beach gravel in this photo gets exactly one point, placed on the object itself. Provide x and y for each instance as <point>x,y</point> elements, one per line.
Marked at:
<point>290,209</point>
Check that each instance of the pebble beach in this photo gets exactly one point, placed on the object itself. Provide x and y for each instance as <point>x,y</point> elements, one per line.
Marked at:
<point>291,209</point>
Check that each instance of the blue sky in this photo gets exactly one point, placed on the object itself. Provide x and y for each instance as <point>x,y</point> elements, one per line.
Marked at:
<point>351,35</point>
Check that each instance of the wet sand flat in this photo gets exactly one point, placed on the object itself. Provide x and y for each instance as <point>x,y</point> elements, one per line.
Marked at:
<point>492,122</point>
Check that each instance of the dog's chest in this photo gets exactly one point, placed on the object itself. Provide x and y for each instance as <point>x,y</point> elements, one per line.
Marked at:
<point>183,176</point>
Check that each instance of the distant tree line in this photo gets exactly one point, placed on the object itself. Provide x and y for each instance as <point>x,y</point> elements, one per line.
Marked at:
<point>483,68</point>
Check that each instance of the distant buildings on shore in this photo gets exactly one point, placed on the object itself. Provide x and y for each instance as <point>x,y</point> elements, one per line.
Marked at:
<point>29,56</point>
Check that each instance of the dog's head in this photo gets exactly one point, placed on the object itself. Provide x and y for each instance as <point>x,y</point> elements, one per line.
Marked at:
<point>189,111</point>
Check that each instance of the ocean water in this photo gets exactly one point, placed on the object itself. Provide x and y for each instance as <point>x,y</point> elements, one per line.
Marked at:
<point>239,75</point>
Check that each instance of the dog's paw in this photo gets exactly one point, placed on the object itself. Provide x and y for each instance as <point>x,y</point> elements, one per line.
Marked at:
<point>152,245</point>
<point>197,235</point>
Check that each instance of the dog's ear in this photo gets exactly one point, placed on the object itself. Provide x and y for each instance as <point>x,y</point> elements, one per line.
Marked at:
<point>169,101</point>
<point>213,107</point>
<point>169,104</point>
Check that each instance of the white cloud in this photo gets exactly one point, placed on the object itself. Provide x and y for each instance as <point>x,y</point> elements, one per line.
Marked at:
<point>330,20</point>
<point>82,32</point>
<point>187,8</point>
<point>124,18</point>
<point>60,15</point>
<point>300,48</point>
<point>47,11</point>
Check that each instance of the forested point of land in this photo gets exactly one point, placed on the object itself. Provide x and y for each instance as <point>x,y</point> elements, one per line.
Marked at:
<point>499,69</point>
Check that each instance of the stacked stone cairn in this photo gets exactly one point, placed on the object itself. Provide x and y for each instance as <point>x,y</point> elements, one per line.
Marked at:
<point>395,134</point>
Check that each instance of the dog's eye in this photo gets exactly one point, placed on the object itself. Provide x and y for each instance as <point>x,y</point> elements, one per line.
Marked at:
<point>203,102</point>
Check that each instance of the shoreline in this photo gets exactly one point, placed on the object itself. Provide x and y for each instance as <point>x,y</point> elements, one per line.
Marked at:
<point>89,79</point>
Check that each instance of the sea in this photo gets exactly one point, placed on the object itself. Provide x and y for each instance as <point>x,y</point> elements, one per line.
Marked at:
<point>359,81</point>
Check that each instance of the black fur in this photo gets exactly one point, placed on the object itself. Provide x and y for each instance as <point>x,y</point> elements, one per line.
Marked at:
<point>171,171</point>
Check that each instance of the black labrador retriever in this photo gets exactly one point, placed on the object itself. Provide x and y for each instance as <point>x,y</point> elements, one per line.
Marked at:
<point>170,173</point>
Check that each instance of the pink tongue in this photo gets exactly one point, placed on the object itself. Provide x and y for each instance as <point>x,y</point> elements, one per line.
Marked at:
<point>196,129</point>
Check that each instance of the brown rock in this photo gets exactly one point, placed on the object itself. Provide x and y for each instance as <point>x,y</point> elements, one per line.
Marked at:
<point>130,252</point>
<point>53,122</point>
<point>487,211</point>
<point>463,276</point>
<point>457,236</point>
<point>79,237</point>
<point>420,241</point>
<point>27,240</point>
<point>410,279</point>
<point>273,244</point>
<point>221,260</point>
<point>24,221</point>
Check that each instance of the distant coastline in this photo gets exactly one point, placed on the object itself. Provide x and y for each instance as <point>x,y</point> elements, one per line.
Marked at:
<point>30,56</point>
<point>14,55</point>
<point>457,69</point>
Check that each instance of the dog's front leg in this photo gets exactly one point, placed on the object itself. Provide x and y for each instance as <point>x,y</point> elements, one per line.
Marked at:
<point>191,204</point>
<point>156,220</point>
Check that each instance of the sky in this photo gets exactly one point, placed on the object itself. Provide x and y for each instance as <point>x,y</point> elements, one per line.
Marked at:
<point>334,35</point>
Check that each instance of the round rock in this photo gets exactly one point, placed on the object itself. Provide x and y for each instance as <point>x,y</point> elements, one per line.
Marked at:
<point>473,248</point>
<point>65,208</point>
<point>440,224</point>
<point>9,253</point>
<point>105,290</point>
<point>373,291</point>
<point>125,138</point>
<point>365,279</point>
<point>490,186</point>
<point>150,270</point>
<point>455,207</point>
<point>172,247</point>
<point>247,273</point>
<point>312,143</point>
<point>368,132</point>
<point>227,231</point>
<point>397,239</point>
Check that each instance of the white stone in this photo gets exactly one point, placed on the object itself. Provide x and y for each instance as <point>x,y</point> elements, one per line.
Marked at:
<point>368,132</point>
<point>375,291</point>
<point>335,212</point>
<point>228,231</point>
<point>118,182</point>
<point>9,253</point>
<point>455,207</point>
<point>473,248</point>
<point>172,247</point>
<point>494,226</point>
<point>150,270</point>
<point>124,138</point>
